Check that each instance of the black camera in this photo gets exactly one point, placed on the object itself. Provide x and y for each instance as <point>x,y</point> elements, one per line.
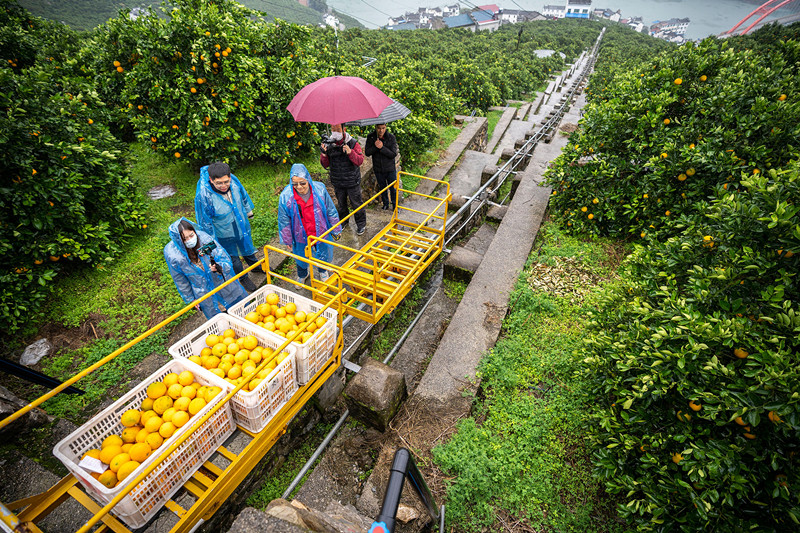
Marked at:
<point>207,248</point>
<point>327,141</point>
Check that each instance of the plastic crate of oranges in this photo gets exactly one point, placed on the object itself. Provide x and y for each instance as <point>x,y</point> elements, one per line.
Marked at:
<point>281,312</point>
<point>232,349</point>
<point>125,438</point>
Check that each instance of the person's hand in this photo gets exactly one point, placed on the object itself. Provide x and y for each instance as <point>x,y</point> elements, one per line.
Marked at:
<point>250,214</point>
<point>197,306</point>
<point>347,149</point>
<point>215,268</point>
<point>378,144</point>
<point>337,236</point>
<point>323,147</point>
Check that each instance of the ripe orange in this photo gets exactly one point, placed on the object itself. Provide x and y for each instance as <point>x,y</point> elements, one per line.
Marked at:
<point>156,390</point>
<point>129,434</point>
<point>109,452</point>
<point>273,299</point>
<point>108,479</point>
<point>695,406</point>
<point>119,460</point>
<point>684,417</point>
<point>667,121</point>
<point>162,404</point>
<point>168,414</point>
<point>740,353</point>
<point>678,81</point>
<point>749,435</point>
<point>174,390</point>
<point>196,405</point>
<point>774,418</point>
<point>126,469</point>
<point>253,317</point>
<point>211,392</point>
<point>140,452</point>
<point>154,440</point>
<point>211,340</point>
<point>180,418</point>
<point>167,429</point>
<point>153,423</point>
<point>677,458</point>
<point>181,404</point>
<point>111,440</point>
<point>185,378</point>
<point>170,379</point>
<point>782,97</point>
<point>739,421</point>
<point>130,418</point>
<point>189,392</point>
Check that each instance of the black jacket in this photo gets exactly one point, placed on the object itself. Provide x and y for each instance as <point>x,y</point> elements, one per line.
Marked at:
<point>382,159</point>
<point>344,173</point>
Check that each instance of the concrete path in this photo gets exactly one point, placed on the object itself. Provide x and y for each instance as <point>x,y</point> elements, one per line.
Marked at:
<point>500,128</point>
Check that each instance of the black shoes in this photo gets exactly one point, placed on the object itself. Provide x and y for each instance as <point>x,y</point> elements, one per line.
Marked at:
<point>360,231</point>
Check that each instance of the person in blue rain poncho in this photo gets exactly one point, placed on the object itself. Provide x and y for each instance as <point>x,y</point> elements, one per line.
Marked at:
<point>223,209</point>
<point>197,269</point>
<point>305,208</point>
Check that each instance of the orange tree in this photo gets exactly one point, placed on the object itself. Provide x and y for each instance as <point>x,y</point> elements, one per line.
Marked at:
<point>205,80</point>
<point>65,193</point>
<point>657,141</point>
<point>694,362</point>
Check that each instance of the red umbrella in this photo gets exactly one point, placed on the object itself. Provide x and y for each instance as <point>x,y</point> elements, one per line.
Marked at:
<point>336,100</point>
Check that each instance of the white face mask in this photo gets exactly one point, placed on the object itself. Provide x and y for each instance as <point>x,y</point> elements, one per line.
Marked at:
<point>336,136</point>
<point>191,243</point>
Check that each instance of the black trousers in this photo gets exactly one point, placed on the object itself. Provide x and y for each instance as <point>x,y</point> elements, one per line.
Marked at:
<point>384,179</point>
<point>247,283</point>
<point>353,194</point>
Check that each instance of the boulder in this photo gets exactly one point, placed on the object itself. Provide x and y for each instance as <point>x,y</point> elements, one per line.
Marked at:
<point>373,396</point>
<point>35,352</point>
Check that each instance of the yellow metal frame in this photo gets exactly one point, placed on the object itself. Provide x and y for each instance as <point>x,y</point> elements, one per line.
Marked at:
<point>383,271</point>
<point>210,485</point>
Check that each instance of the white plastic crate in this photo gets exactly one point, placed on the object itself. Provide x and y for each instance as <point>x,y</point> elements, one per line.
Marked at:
<point>312,354</point>
<point>144,501</point>
<point>252,409</point>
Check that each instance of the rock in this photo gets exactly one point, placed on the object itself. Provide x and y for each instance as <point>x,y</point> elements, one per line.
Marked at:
<point>162,191</point>
<point>374,394</point>
<point>461,264</point>
<point>254,521</point>
<point>35,352</point>
<point>406,514</point>
<point>328,393</point>
<point>10,404</point>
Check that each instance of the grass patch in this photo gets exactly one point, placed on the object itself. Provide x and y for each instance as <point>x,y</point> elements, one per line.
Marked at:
<point>522,456</point>
<point>278,481</point>
<point>493,117</point>
<point>446,136</point>
<point>454,289</point>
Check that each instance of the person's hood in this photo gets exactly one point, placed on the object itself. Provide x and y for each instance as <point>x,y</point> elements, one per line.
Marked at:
<point>299,169</point>
<point>175,235</point>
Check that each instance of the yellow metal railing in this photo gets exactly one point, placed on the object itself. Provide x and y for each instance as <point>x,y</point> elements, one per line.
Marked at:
<point>367,269</point>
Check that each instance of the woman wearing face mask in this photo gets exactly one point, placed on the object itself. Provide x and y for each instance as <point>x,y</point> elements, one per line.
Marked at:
<point>199,264</point>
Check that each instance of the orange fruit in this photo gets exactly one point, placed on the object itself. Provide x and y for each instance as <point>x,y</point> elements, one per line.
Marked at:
<point>109,452</point>
<point>168,414</point>
<point>140,452</point>
<point>320,321</point>
<point>212,362</point>
<point>126,448</point>
<point>739,421</point>
<point>228,340</point>
<point>111,440</point>
<point>108,479</point>
<point>264,309</point>
<point>174,390</point>
<point>212,392</point>
<point>273,299</point>
<point>749,435</point>
<point>219,349</point>
<point>280,312</point>
<point>130,418</point>
<point>181,404</point>
<point>146,415</point>
<point>235,372</point>
<point>684,417</point>
<point>677,458</point>
<point>229,333</point>
<point>126,469</point>
<point>167,429</point>
<point>291,308</point>
<point>250,342</point>
<point>255,357</point>
<point>695,406</point>
<point>95,453</point>
<point>740,353</point>
<point>162,404</point>
<point>189,392</point>
<point>154,440</point>
<point>233,348</point>
<point>196,358</point>
<point>211,340</point>
<point>254,383</point>
<point>156,390</point>
<point>170,380</point>
<point>180,418</point>
<point>218,372</point>
<point>774,418</point>
<point>300,316</point>
<point>253,317</point>
<point>153,423</point>
<point>196,406</point>
<point>129,434</point>
<point>119,460</point>
<point>185,378</point>
<point>142,435</point>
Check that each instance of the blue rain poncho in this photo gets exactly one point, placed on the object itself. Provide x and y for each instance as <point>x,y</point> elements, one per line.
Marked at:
<point>193,281</point>
<point>290,224</point>
<point>226,220</point>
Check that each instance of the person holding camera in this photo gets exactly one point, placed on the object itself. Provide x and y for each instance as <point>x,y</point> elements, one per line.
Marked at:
<point>198,264</point>
<point>305,208</point>
<point>224,209</point>
<point>342,154</point>
<point>382,146</point>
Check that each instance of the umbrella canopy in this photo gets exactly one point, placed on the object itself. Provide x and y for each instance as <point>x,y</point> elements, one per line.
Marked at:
<point>336,100</point>
<point>394,111</point>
